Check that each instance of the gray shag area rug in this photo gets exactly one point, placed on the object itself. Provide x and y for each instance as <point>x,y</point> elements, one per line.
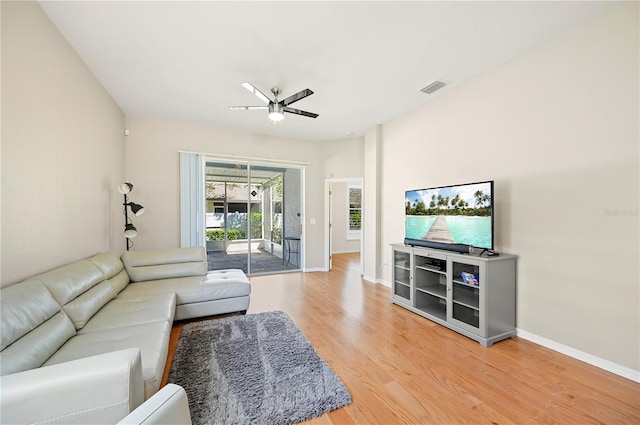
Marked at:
<point>253,369</point>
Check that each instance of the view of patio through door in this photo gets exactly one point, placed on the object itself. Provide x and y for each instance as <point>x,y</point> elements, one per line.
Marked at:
<point>252,217</point>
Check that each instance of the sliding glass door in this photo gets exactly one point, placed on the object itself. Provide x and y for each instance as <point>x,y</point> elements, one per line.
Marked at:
<point>253,217</point>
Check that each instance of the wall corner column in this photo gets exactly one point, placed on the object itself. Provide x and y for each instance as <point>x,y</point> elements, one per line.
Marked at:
<point>372,234</point>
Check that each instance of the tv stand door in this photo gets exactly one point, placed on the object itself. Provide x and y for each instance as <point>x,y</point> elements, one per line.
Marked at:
<point>467,294</point>
<point>402,276</point>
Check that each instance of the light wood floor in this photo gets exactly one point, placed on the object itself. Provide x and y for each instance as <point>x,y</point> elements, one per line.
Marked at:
<point>403,369</point>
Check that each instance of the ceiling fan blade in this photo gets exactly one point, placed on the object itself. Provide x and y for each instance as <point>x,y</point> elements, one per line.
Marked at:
<point>296,97</point>
<point>247,108</point>
<point>300,112</point>
<point>257,92</point>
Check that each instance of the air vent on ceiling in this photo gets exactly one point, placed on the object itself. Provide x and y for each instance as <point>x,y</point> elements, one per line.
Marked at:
<point>436,85</point>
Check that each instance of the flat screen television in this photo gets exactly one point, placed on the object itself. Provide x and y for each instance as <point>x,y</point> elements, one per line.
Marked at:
<point>450,217</point>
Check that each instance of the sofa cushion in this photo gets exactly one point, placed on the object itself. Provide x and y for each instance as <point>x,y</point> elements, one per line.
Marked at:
<point>85,306</point>
<point>32,327</point>
<point>119,281</point>
<point>213,286</point>
<point>108,264</point>
<point>80,289</point>
<point>24,306</point>
<point>68,282</point>
<point>32,350</point>
<point>216,285</point>
<point>112,270</point>
<point>136,310</point>
<point>152,339</point>
<point>227,283</point>
<point>165,264</point>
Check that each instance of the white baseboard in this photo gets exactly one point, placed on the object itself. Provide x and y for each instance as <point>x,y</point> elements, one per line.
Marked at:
<point>369,278</point>
<point>607,365</point>
<point>374,280</point>
<point>315,269</point>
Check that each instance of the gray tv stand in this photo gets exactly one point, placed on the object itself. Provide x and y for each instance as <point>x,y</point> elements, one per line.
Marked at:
<point>430,282</point>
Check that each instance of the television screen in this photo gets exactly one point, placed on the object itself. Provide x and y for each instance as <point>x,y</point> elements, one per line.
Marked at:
<point>450,216</point>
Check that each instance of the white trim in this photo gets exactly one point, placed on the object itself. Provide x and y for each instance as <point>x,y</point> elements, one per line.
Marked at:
<point>381,281</point>
<point>247,159</point>
<point>601,363</point>
<point>315,269</point>
<point>301,223</point>
<point>327,213</point>
<point>378,281</point>
<point>369,278</point>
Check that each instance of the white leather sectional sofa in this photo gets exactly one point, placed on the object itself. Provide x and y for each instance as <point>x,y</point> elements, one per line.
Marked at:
<point>88,342</point>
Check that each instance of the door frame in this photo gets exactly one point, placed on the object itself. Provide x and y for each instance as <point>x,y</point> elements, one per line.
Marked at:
<point>328,242</point>
<point>250,162</point>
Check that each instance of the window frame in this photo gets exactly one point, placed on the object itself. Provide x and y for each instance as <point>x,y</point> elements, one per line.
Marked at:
<point>353,234</point>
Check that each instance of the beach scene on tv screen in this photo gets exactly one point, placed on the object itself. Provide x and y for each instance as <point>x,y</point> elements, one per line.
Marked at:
<point>455,214</point>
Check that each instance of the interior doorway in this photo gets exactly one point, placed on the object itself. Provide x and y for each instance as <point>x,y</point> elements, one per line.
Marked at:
<point>344,218</point>
<point>252,217</point>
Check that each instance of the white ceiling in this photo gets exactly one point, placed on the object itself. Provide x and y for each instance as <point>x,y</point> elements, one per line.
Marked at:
<point>365,61</point>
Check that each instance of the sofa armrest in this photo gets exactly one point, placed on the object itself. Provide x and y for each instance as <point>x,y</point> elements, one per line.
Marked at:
<point>169,406</point>
<point>165,264</point>
<point>96,389</point>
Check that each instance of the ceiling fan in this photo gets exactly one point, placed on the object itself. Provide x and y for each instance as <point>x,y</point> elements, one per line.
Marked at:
<point>277,108</point>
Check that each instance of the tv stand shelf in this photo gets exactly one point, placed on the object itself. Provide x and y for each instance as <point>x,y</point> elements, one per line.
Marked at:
<point>430,282</point>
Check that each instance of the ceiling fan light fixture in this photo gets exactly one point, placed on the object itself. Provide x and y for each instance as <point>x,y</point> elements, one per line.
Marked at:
<point>276,112</point>
<point>277,108</point>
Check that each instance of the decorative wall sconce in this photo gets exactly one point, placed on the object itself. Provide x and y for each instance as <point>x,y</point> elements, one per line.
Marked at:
<point>130,230</point>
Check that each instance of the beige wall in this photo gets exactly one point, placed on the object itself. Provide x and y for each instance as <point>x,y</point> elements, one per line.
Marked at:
<point>557,129</point>
<point>342,159</point>
<point>62,150</point>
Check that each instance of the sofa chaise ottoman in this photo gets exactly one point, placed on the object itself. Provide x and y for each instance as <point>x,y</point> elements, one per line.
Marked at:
<point>184,272</point>
<point>61,327</point>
